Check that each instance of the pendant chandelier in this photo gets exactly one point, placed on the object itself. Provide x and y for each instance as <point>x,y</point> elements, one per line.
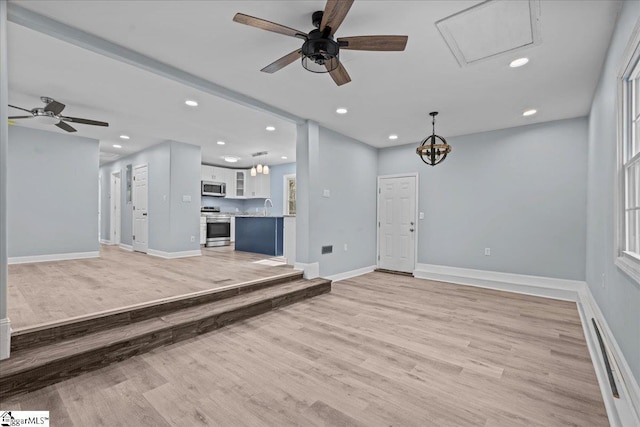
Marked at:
<point>434,148</point>
<point>263,169</point>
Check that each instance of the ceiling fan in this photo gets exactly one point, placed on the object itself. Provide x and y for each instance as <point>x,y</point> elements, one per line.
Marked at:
<point>50,114</point>
<point>320,52</point>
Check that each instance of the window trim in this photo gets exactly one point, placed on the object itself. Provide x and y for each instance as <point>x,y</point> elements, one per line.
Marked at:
<point>624,260</point>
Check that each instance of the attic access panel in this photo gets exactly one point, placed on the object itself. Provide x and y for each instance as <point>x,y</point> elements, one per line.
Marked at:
<point>491,29</point>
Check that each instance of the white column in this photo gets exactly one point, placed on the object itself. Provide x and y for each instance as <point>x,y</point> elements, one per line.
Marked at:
<point>307,184</point>
<point>5,328</point>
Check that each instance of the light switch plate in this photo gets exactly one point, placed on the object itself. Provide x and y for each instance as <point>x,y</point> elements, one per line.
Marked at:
<point>186,198</point>
<point>421,215</point>
<point>326,193</point>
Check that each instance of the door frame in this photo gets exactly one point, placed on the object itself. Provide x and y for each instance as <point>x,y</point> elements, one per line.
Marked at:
<point>133,213</point>
<point>112,203</point>
<point>416,176</point>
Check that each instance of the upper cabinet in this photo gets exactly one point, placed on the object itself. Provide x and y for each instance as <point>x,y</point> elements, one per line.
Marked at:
<point>236,184</point>
<point>213,173</point>
<point>259,186</point>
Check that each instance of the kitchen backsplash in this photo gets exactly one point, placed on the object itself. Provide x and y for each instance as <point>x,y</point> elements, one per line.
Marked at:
<point>233,205</point>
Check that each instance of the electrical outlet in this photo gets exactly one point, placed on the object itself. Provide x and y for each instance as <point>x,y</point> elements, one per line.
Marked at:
<point>345,247</point>
<point>326,193</point>
<point>193,238</point>
<point>487,251</point>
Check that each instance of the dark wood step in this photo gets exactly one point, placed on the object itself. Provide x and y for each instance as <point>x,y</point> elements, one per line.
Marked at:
<point>31,369</point>
<point>46,333</point>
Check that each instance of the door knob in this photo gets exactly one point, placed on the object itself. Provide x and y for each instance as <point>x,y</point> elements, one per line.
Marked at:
<point>411,222</point>
<point>411,229</point>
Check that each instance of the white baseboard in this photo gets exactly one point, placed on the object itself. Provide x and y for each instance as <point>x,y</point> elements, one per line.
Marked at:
<point>53,257</point>
<point>173,255</point>
<point>546,287</point>
<point>311,270</point>
<point>5,338</point>
<point>352,273</point>
<point>126,247</point>
<point>105,242</point>
<point>624,411</point>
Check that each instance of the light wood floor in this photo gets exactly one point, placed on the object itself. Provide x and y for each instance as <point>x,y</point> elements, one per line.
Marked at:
<point>48,291</point>
<point>380,350</point>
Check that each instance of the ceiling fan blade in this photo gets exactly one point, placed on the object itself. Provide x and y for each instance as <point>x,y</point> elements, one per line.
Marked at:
<point>334,13</point>
<point>263,24</point>
<point>55,107</point>
<point>282,62</point>
<point>378,43</point>
<point>19,117</point>
<point>339,75</point>
<point>64,126</point>
<point>19,108</point>
<point>83,121</point>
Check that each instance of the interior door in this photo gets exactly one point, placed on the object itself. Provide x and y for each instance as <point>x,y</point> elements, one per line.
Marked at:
<point>140,203</point>
<point>115,208</point>
<point>397,223</point>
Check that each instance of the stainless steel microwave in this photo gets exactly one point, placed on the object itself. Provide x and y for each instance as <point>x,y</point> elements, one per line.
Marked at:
<point>216,189</point>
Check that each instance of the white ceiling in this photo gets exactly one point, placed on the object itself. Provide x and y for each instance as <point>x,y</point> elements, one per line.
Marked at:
<point>390,92</point>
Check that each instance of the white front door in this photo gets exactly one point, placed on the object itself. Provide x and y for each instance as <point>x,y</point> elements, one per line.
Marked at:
<point>397,223</point>
<point>115,209</point>
<point>140,203</point>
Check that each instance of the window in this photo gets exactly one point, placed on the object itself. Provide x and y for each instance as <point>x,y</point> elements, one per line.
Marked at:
<point>289,195</point>
<point>628,191</point>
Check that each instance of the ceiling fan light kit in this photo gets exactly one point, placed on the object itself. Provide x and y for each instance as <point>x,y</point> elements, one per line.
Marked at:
<point>434,148</point>
<point>320,52</point>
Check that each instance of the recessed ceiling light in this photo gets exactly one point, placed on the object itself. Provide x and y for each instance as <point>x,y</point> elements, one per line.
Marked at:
<point>530,112</point>
<point>124,136</point>
<point>270,128</point>
<point>230,159</point>
<point>221,142</point>
<point>191,103</point>
<point>392,137</point>
<point>284,157</point>
<point>518,62</point>
<point>117,146</point>
<point>341,111</point>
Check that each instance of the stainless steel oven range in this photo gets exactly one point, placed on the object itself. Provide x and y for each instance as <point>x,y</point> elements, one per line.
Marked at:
<point>218,227</point>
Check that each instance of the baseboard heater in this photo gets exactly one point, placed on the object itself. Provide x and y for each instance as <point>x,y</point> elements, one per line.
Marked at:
<point>612,381</point>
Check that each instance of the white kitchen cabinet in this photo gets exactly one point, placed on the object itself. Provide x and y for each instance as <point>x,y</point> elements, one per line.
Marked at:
<point>214,173</point>
<point>239,185</point>
<point>233,229</point>
<point>203,230</point>
<point>290,239</point>
<point>259,186</point>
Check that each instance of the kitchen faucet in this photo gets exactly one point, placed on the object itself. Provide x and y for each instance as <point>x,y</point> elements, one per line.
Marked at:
<point>265,205</point>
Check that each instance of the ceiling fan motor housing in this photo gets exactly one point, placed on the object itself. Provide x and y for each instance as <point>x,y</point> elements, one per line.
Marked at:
<point>319,51</point>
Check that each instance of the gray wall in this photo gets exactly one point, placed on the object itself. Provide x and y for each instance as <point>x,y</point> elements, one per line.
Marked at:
<point>519,191</point>
<point>52,196</point>
<point>166,233</point>
<point>185,181</point>
<point>619,300</point>
<point>348,169</point>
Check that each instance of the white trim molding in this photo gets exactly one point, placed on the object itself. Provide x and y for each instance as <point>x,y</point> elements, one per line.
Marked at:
<point>5,338</point>
<point>350,274</point>
<point>126,247</point>
<point>106,242</point>
<point>311,270</point>
<point>546,287</point>
<point>624,411</point>
<point>53,257</point>
<point>173,255</point>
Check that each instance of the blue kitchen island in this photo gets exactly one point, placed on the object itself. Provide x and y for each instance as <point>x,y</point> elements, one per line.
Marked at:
<point>260,234</point>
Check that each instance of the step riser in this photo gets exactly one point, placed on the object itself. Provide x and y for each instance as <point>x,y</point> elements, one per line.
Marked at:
<point>72,366</point>
<point>22,341</point>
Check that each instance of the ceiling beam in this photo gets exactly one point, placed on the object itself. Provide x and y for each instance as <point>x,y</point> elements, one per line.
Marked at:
<point>34,21</point>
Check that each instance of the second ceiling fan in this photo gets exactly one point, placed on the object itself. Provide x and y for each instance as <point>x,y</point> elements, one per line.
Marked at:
<point>320,52</point>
